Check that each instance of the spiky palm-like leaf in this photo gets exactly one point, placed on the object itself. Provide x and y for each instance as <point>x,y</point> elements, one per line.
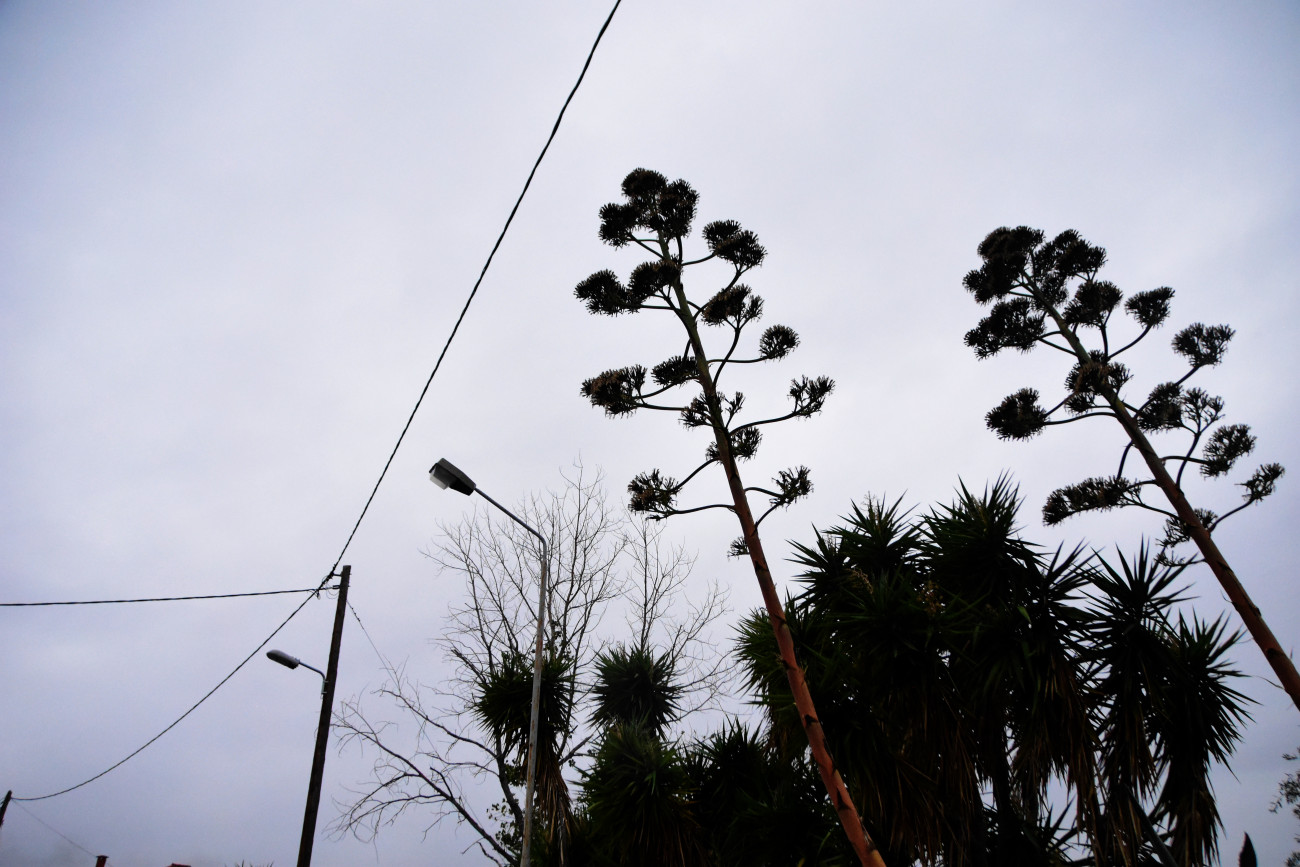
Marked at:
<point>635,687</point>
<point>503,707</point>
<point>758,808</point>
<point>639,803</point>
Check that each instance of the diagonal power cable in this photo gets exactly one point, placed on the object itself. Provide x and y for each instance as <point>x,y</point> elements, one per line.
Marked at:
<point>405,428</point>
<point>474,291</point>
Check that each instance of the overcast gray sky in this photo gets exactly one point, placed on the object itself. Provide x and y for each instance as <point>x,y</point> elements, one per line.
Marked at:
<point>233,237</point>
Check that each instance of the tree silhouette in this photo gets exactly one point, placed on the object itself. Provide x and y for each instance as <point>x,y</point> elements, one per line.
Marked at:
<point>1047,292</point>
<point>978,677</point>
<point>656,216</point>
<point>466,735</point>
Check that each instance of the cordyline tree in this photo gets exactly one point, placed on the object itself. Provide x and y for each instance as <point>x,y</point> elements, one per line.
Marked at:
<point>1047,292</point>
<point>656,216</point>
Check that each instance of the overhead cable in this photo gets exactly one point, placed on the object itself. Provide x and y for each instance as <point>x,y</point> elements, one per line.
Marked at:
<point>38,820</point>
<point>477,283</point>
<point>194,706</point>
<point>155,599</point>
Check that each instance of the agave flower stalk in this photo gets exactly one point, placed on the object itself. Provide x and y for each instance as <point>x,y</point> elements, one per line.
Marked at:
<point>656,217</point>
<point>1047,292</point>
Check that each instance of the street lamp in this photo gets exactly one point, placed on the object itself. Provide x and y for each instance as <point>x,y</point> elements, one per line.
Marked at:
<point>444,474</point>
<point>293,662</point>
<point>328,678</point>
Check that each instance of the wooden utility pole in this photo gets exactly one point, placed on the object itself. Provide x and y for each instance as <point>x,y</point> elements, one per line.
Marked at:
<point>323,727</point>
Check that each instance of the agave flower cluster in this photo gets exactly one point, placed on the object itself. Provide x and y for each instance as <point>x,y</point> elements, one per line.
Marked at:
<point>1048,292</point>
<point>657,216</point>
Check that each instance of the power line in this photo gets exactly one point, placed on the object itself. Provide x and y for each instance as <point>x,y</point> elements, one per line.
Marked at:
<point>157,598</point>
<point>54,830</point>
<point>194,706</point>
<point>387,464</point>
<point>383,660</point>
<point>477,283</point>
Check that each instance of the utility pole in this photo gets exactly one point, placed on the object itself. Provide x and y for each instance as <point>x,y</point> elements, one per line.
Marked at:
<point>4,805</point>
<point>323,727</point>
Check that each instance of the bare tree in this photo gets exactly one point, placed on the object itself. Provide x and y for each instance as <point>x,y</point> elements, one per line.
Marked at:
<point>435,750</point>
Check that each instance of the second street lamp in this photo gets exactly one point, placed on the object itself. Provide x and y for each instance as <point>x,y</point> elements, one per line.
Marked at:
<point>444,474</point>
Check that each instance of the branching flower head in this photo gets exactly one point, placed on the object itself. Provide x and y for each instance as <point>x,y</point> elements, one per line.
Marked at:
<point>1090,495</point>
<point>675,371</point>
<point>1151,308</point>
<point>1093,303</point>
<point>1005,253</point>
<point>1018,417</point>
<point>1086,382</point>
<point>1177,532</point>
<point>651,278</point>
<point>729,242</point>
<point>1014,323</point>
<point>652,203</point>
<point>604,294</point>
<point>696,413</point>
<point>744,444</point>
<point>652,492</point>
<point>1203,345</point>
<point>778,341</point>
<point>618,391</point>
<point>735,304</point>
<point>810,394</point>
<point>1163,409</point>
<point>1225,446</point>
<point>1262,483</point>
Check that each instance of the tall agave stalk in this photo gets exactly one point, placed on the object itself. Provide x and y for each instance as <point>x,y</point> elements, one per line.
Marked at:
<point>657,217</point>
<point>1047,292</point>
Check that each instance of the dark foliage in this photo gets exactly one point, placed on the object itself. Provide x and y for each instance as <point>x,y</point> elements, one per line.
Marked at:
<point>1048,293</point>
<point>1018,417</point>
<point>1094,494</point>
<point>635,687</point>
<point>957,658</point>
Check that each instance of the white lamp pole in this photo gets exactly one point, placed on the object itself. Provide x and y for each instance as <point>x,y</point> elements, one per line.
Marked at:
<point>444,474</point>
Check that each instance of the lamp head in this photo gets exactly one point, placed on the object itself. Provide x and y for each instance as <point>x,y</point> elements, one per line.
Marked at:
<point>283,658</point>
<point>445,475</point>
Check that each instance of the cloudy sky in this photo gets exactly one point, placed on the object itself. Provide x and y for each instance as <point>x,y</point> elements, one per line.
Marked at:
<point>234,236</point>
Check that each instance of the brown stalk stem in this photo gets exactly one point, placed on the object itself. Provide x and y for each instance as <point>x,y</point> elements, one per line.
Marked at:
<point>1250,614</point>
<point>860,840</point>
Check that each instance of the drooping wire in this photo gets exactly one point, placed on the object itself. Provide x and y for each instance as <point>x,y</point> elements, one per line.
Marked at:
<point>38,820</point>
<point>156,599</point>
<point>474,291</point>
<point>383,660</point>
<point>312,595</point>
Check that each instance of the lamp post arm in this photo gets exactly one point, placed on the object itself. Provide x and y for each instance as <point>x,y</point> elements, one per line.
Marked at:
<point>530,784</point>
<point>518,520</point>
<point>313,668</point>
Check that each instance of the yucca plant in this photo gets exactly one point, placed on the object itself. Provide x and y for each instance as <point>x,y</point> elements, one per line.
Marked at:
<point>656,217</point>
<point>969,669</point>
<point>503,706</point>
<point>635,687</point>
<point>1049,293</point>
<point>759,806</point>
<point>1167,711</point>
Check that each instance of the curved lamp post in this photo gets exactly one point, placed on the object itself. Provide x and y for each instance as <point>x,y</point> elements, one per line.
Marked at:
<point>444,474</point>
<point>293,662</point>
<point>328,678</point>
